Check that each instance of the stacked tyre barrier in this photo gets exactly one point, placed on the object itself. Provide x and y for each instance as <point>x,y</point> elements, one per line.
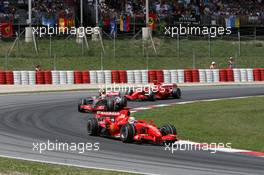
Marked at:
<point>122,76</point>
<point>131,76</point>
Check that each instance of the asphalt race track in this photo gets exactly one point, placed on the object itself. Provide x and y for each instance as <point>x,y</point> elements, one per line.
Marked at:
<point>40,117</point>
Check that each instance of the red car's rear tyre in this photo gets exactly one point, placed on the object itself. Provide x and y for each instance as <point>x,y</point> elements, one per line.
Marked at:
<point>93,127</point>
<point>127,133</point>
<point>123,102</point>
<point>110,104</point>
<point>168,129</point>
<point>151,96</point>
<point>176,93</point>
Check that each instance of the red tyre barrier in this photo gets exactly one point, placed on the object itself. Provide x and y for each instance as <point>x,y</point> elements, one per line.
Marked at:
<point>188,76</point>
<point>257,74</point>
<point>195,75</point>
<point>123,76</point>
<point>160,76</point>
<point>78,79</point>
<point>9,77</point>
<point>223,75</point>
<point>230,74</point>
<point>47,77</point>
<point>85,77</point>
<point>262,74</point>
<point>40,77</point>
<point>2,77</point>
<point>115,76</point>
<point>152,76</point>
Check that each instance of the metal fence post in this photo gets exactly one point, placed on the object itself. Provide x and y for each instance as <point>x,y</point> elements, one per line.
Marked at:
<point>54,62</point>
<point>239,42</point>
<point>178,45</point>
<point>6,61</point>
<point>209,45</point>
<point>50,47</point>
<point>194,61</point>
<point>102,66</point>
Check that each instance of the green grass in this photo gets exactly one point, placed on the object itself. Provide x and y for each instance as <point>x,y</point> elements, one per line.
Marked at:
<point>129,54</point>
<point>238,121</point>
<point>13,166</point>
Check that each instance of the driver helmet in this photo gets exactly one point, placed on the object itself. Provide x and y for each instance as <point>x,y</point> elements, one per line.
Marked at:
<point>131,120</point>
<point>102,92</point>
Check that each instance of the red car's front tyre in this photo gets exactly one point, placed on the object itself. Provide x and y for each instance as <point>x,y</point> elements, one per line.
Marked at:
<point>176,93</point>
<point>93,128</point>
<point>168,129</point>
<point>127,133</point>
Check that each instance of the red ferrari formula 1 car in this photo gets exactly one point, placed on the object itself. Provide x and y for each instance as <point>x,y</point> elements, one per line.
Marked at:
<point>110,102</point>
<point>158,91</point>
<point>121,125</point>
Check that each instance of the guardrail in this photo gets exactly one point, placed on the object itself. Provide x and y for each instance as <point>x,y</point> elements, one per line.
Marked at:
<point>131,76</point>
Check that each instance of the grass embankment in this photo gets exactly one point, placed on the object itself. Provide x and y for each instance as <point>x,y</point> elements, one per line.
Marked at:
<point>238,121</point>
<point>129,54</point>
<point>21,167</point>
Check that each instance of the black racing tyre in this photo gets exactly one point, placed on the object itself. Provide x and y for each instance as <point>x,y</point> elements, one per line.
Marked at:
<point>82,102</point>
<point>110,104</point>
<point>130,92</point>
<point>123,102</point>
<point>151,96</point>
<point>117,107</point>
<point>176,93</point>
<point>92,126</point>
<point>168,129</point>
<point>127,133</point>
<point>79,108</point>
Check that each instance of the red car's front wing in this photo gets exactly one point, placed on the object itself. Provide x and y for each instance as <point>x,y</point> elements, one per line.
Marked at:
<point>147,137</point>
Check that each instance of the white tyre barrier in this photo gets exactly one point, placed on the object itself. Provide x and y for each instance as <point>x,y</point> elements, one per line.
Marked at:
<point>100,77</point>
<point>93,77</point>
<point>202,76</point>
<point>108,76</point>
<point>24,78</point>
<point>17,77</point>
<point>237,75</point>
<point>144,74</point>
<point>130,77</point>
<point>32,77</point>
<point>70,77</point>
<point>174,76</point>
<point>55,77</point>
<point>138,76</point>
<point>250,75</point>
<point>243,73</point>
<point>180,75</point>
<point>209,75</point>
<point>216,75</point>
<point>167,76</point>
<point>63,77</point>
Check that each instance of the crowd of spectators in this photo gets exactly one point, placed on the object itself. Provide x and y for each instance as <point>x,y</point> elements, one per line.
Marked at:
<point>40,8</point>
<point>186,8</point>
<point>110,8</point>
